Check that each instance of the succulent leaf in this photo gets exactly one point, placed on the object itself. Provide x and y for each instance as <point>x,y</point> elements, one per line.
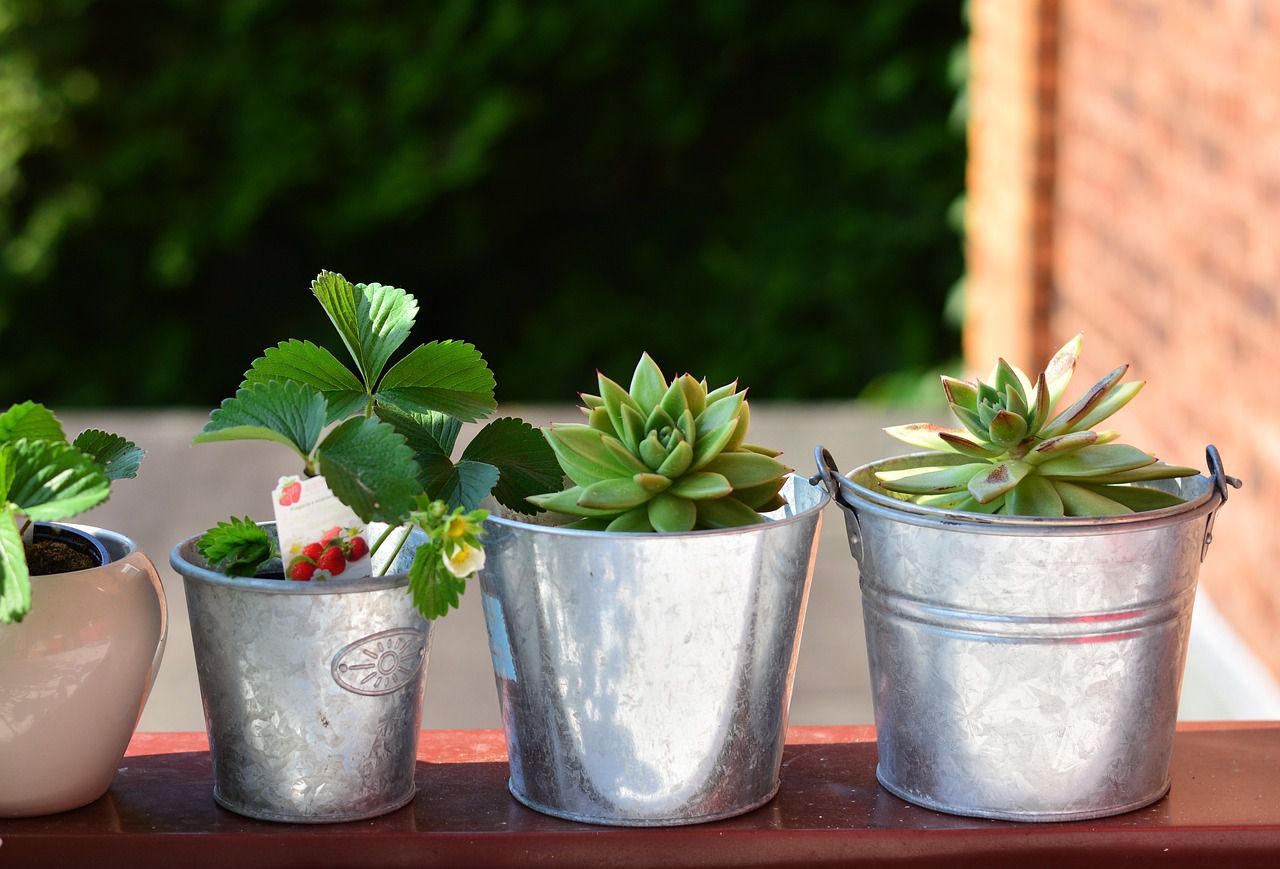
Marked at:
<point>1035,496</point>
<point>744,470</point>
<point>1071,418</point>
<point>926,435</point>
<point>999,480</point>
<point>648,384</point>
<point>567,502</point>
<point>1117,397</point>
<point>1136,498</point>
<point>1007,428</point>
<point>711,444</point>
<point>1095,460</point>
<point>1057,373</point>
<point>677,461</point>
<point>930,481</point>
<point>701,486</point>
<point>960,392</point>
<point>672,513</point>
<point>726,512</point>
<point>1082,501</point>
<point>957,443</point>
<point>633,520</point>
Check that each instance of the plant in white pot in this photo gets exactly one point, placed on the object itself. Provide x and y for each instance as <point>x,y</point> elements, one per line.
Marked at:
<point>312,633</point>
<point>82,616</point>
<point>644,652</point>
<point>1027,589</point>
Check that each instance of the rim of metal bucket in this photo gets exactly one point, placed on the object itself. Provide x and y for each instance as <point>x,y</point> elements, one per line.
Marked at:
<point>884,504</point>
<point>189,570</point>
<point>823,500</point>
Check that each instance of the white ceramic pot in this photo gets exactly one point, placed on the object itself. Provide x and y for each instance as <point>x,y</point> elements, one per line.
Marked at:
<point>74,677</point>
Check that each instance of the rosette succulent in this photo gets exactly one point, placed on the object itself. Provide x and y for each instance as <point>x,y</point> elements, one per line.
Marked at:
<point>1023,459</point>
<point>663,457</point>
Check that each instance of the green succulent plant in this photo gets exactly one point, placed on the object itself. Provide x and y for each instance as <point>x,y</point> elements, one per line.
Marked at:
<point>663,457</point>
<point>1025,460</point>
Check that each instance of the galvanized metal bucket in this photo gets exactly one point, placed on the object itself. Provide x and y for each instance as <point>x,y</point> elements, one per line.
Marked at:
<point>312,691</point>
<point>1025,668</point>
<point>645,679</point>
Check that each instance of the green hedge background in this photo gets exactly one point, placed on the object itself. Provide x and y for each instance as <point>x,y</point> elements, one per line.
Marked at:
<point>741,187</point>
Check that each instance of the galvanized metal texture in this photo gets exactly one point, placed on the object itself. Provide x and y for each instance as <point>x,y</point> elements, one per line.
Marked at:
<point>312,691</point>
<point>1025,669</point>
<point>645,679</point>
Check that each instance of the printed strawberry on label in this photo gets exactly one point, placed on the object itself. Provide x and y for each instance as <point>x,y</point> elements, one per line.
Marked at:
<point>332,561</point>
<point>357,549</point>
<point>290,493</point>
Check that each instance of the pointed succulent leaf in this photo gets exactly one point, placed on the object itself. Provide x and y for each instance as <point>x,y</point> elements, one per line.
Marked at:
<point>370,468</point>
<point>740,432</point>
<point>1070,419</point>
<point>672,404</point>
<point>987,413</point>
<point>1014,401</point>
<point>648,384</point>
<point>652,451</point>
<point>52,480</point>
<point>678,461</point>
<point>701,486</point>
<point>1038,405</point>
<point>1034,496</point>
<point>971,421</point>
<point>584,454</point>
<point>988,394</point>
<point>695,394</point>
<point>598,419</point>
<point>930,480</point>
<point>1057,373</point>
<point>1117,397</point>
<point>726,512</point>
<point>1136,498</point>
<point>925,435</point>
<point>567,502</point>
<point>688,428</point>
<point>759,497</point>
<point>998,480</point>
<point>634,520</point>
<point>32,421</point>
<point>960,392</point>
<point>15,582</point>
<point>1146,473</point>
<point>621,493</point>
<point>764,451</point>
<point>957,443</point>
<point>709,444</point>
<point>970,505</point>
<point>1007,428</point>
<point>1006,381</point>
<point>444,376</point>
<point>718,414</point>
<point>615,398</point>
<point>945,500</point>
<point>633,428</point>
<point>119,457</point>
<point>723,392</point>
<point>744,469</point>
<point>315,366</point>
<point>526,464</point>
<point>283,411</point>
<point>1095,460</point>
<point>669,513</point>
<point>591,401</point>
<point>373,320</point>
<point>658,420</point>
<point>1083,501</point>
<point>1060,446</point>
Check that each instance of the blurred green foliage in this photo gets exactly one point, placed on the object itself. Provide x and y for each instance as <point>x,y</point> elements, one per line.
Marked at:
<point>744,188</point>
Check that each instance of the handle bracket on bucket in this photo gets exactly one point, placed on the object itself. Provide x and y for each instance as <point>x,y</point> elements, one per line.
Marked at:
<point>1223,484</point>
<point>834,482</point>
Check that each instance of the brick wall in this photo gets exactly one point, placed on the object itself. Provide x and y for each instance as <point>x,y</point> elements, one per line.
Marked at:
<point>1158,196</point>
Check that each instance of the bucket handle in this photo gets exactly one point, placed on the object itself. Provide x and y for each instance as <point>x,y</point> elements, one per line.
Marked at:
<point>834,482</point>
<point>1223,484</point>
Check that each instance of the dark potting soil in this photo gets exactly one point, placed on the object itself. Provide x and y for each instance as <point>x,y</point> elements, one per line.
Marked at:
<point>46,557</point>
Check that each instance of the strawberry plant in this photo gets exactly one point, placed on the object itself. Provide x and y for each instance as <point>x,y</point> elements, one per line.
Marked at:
<point>382,437</point>
<point>44,478</point>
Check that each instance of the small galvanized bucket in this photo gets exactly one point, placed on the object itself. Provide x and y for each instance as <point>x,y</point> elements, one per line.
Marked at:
<point>312,690</point>
<point>645,679</point>
<point>1025,668</point>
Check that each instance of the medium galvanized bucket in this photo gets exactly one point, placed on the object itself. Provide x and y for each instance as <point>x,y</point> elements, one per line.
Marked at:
<point>645,679</point>
<point>1025,668</point>
<point>312,691</point>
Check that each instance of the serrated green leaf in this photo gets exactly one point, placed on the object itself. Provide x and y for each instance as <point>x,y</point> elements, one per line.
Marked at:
<point>119,457</point>
<point>6,472</point>
<point>526,463</point>
<point>370,468</point>
<point>372,320</point>
<point>433,588</point>
<point>237,547</point>
<point>1096,460</point>
<point>53,480</point>
<point>443,376</point>
<point>32,421</point>
<point>468,485</point>
<point>1034,496</point>
<point>282,411</point>
<point>671,513</point>
<point>727,512</point>
<point>648,384</point>
<point>308,363</point>
<point>431,437</point>
<point>15,583</point>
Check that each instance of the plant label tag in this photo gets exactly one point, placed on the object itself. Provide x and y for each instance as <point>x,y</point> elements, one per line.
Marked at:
<point>320,537</point>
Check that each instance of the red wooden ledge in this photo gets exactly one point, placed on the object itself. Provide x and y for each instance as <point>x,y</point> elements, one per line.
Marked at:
<point>1224,810</point>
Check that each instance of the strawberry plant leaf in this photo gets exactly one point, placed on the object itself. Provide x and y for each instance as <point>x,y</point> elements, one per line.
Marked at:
<point>468,484</point>
<point>30,420</point>
<point>238,547</point>
<point>526,463</point>
<point>373,320</point>
<point>445,376</point>
<point>431,437</point>
<point>15,584</point>
<point>368,465</point>
<point>119,457</point>
<point>53,480</point>
<point>315,366</point>
<point>433,588</point>
<point>283,411</point>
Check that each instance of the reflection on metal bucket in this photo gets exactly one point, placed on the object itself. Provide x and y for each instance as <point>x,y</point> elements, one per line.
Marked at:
<point>1025,668</point>
<point>645,678</point>
<point>312,690</point>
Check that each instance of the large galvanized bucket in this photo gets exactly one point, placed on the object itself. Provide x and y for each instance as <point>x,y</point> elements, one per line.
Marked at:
<point>1025,668</point>
<point>645,679</point>
<point>312,691</point>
